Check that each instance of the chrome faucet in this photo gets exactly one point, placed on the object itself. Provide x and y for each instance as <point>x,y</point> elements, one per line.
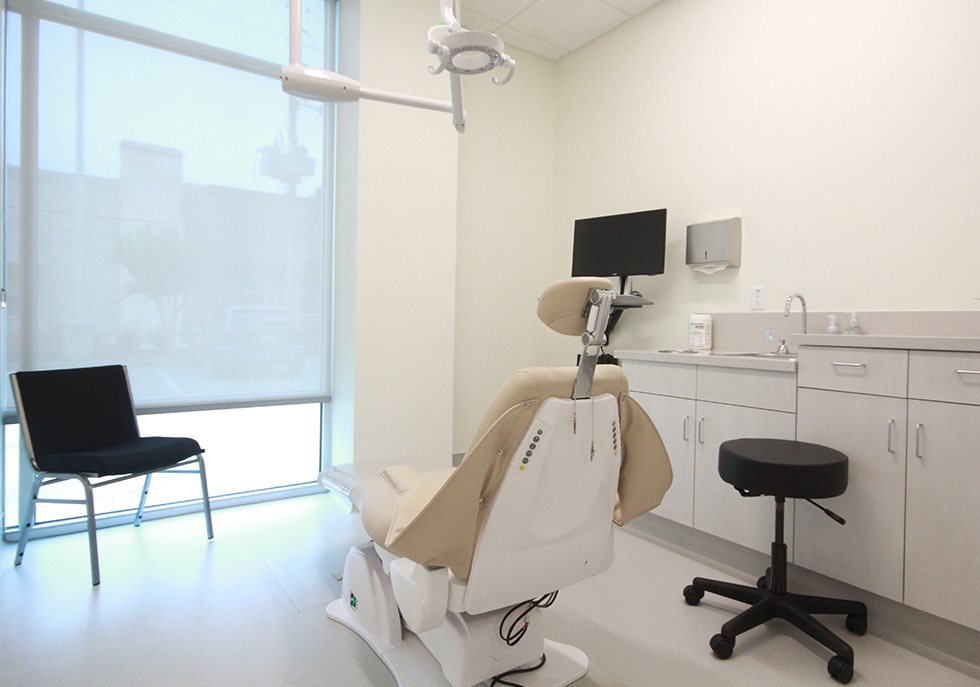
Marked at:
<point>789,302</point>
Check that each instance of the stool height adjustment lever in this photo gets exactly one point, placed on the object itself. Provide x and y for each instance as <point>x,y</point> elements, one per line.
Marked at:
<point>830,514</point>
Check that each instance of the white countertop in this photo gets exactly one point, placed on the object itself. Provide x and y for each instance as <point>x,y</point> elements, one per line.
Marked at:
<point>922,343</point>
<point>714,358</point>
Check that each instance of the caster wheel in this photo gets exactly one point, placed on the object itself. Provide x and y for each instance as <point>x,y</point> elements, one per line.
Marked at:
<point>840,669</point>
<point>693,595</point>
<point>858,624</point>
<point>762,583</point>
<point>722,646</point>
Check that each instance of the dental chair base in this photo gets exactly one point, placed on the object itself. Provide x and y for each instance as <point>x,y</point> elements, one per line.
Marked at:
<point>463,651</point>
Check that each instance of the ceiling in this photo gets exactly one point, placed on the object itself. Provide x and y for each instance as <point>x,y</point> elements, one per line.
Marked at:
<point>549,28</point>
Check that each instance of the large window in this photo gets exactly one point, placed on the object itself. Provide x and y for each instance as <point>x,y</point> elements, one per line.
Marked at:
<point>168,207</point>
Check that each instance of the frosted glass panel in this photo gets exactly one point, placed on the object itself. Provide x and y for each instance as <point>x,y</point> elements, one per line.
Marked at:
<point>180,227</point>
<point>258,28</point>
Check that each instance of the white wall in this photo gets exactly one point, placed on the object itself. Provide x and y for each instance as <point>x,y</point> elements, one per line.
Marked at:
<point>843,132</point>
<point>396,246</point>
<point>506,174</point>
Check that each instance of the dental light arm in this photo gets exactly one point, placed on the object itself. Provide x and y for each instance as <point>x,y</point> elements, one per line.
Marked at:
<point>460,52</point>
<point>320,84</point>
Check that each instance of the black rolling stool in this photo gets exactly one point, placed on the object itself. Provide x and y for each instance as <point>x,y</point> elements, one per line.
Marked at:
<point>783,469</point>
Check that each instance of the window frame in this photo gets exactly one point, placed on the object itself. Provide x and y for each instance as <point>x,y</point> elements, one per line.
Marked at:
<point>32,12</point>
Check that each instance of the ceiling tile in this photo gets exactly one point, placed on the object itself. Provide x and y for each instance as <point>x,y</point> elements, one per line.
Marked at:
<point>513,37</point>
<point>571,30</point>
<point>501,10</point>
<point>477,22</point>
<point>632,7</point>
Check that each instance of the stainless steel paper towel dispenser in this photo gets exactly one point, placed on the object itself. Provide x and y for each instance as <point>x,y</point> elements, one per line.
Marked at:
<point>713,246</point>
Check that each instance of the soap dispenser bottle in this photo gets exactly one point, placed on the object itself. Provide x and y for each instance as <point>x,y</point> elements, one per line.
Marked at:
<point>853,327</point>
<point>832,324</point>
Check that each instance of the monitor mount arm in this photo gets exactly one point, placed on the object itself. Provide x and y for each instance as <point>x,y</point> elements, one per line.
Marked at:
<point>602,311</point>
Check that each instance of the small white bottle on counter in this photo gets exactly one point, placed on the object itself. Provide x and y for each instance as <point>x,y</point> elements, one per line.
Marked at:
<point>832,324</point>
<point>699,333</point>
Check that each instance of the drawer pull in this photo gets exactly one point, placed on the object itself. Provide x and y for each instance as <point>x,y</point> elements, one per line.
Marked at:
<point>918,441</point>
<point>687,420</point>
<point>701,430</point>
<point>891,429</point>
<point>848,364</point>
<point>968,372</point>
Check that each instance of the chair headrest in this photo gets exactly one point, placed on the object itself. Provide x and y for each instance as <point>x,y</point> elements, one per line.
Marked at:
<point>562,305</point>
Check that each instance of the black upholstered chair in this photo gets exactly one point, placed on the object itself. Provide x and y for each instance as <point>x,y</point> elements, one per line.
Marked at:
<point>81,424</point>
<point>783,469</point>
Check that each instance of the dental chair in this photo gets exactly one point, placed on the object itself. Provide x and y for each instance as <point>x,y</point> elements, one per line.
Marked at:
<point>451,589</point>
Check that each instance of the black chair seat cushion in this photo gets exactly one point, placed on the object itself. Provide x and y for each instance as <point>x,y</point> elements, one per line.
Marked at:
<point>137,455</point>
<point>779,467</point>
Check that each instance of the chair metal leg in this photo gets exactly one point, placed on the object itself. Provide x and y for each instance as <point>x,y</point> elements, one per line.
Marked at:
<point>30,512</point>
<point>139,511</point>
<point>206,500</point>
<point>93,545</point>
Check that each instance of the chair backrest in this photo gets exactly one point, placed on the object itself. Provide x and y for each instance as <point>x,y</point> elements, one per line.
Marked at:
<point>549,524</point>
<point>71,410</point>
<point>445,528</point>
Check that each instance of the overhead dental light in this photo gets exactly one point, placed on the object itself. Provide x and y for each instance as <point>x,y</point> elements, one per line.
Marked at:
<point>460,51</point>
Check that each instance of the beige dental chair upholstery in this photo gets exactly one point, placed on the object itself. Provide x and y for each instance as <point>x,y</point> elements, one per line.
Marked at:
<point>561,454</point>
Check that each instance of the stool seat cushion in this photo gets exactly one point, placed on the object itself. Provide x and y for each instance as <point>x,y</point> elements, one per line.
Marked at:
<point>779,467</point>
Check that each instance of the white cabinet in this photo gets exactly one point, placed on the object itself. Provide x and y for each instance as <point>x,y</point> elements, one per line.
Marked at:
<point>718,508</point>
<point>858,406</point>
<point>695,409</point>
<point>675,420</point>
<point>942,547</point>
<point>909,422</point>
<point>868,551</point>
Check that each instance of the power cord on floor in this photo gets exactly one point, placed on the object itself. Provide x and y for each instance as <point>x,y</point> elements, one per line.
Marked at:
<point>515,632</point>
<point>499,679</point>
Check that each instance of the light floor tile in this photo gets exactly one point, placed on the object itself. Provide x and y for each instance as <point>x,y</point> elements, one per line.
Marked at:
<point>248,609</point>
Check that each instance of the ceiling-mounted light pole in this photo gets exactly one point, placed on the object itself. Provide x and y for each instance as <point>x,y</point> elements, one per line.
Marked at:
<point>459,51</point>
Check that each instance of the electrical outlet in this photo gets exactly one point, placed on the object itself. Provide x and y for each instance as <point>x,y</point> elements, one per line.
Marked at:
<point>758,297</point>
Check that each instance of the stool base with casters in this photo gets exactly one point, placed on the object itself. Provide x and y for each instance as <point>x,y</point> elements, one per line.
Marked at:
<point>770,599</point>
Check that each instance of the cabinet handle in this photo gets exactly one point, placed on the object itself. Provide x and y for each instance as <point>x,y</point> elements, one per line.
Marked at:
<point>687,421</point>
<point>968,372</point>
<point>701,430</point>
<point>918,441</point>
<point>848,364</point>
<point>891,429</point>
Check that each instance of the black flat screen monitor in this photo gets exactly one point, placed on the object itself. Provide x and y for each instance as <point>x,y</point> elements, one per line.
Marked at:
<point>620,245</point>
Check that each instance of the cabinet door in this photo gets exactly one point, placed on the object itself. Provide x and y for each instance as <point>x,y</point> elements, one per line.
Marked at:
<point>868,552</point>
<point>674,418</point>
<point>718,508</point>
<point>942,547</point>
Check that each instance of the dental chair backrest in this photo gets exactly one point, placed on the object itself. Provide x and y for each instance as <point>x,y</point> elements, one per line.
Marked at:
<point>530,508</point>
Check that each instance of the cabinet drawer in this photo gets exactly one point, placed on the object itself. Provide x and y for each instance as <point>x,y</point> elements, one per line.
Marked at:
<point>945,376</point>
<point>668,379</point>
<point>754,388</point>
<point>882,372</point>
